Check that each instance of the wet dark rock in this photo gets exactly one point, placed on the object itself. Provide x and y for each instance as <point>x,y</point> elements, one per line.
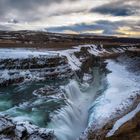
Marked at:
<point>130,130</point>
<point>133,52</point>
<point>49,68</point>
<point>126,131</point>
<point>88,61</point>
<point>6,126</point>
<point>49,91</point>
<point>7,82</point>
<point>15,71</point>
<point>10,130</point>
<point>32,62</point>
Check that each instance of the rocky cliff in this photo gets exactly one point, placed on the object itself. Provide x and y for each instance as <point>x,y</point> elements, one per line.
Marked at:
<point>60,65</point>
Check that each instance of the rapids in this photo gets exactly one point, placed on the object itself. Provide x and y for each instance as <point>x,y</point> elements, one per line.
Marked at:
<point>68,116</point>
<point>72,120</point>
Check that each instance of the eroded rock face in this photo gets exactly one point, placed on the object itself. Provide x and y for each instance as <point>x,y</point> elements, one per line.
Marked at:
<point>35,68</point>
<point>131,129</point>
<point>128,131</point>
<point>16,80</point>
<point>87,59</point>
<point>133,52</point>
<point>52,67</point>
<point>10,130</point>
<point>32,62</point>
<point>44,68</point>
<point>49,91</point>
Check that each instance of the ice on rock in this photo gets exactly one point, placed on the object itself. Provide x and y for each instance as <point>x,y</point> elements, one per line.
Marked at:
<point>123,120</point>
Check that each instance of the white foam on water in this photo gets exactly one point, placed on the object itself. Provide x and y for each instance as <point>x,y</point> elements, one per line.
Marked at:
<point>118,96</point>
<point>72,120</point>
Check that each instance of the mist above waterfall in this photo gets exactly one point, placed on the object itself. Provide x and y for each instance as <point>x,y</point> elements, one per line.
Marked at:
<point>70,106</point>
<point>72,120</point>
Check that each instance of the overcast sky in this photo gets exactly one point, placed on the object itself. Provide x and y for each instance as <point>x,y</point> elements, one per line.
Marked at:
<point>107,17</point>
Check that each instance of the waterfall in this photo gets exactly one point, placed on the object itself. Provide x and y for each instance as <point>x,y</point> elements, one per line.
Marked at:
<point>72,120</point>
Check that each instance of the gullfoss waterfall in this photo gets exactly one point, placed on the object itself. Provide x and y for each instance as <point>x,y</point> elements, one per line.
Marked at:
<point>68,104</point>
<point>72,120</point>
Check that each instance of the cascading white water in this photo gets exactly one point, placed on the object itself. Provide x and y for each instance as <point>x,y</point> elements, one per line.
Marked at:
<point>72,120</point>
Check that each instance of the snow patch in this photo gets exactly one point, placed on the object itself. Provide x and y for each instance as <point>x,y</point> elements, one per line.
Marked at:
<point>118,96</point>
<point>23,53</point>
<point>123,120</point>
<point>74,62</point>
<point>87,77</point>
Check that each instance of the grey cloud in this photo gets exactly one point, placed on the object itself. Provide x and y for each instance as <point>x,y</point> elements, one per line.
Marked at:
<point>13,21</point>
<point>24,9</point>
<point>68,12</point>
<point>5,27</point>
<point>24,4</point>
<point>108,27</point>
<point>117,8</point>
<point>28,10</point>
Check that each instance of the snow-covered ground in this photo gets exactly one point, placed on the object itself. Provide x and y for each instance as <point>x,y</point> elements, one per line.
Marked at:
<point>119,95</point>
<point>123,120</point>
<point>74,62</point>
<point>20,53</point>
<point>71,120</point>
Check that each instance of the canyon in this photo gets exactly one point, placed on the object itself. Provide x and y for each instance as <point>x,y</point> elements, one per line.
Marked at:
<point>68,87</point>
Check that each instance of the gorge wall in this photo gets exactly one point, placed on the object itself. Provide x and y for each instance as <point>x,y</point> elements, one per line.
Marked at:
<point>61,66</point>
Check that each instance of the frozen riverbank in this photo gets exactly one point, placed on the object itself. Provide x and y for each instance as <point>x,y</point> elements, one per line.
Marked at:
<point>84,102</point>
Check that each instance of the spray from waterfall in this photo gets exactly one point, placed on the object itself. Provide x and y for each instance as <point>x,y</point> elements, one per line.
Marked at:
<point>72,120</point>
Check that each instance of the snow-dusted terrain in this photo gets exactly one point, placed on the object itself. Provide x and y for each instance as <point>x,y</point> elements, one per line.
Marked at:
<point>123,120</point>
<point>118,96</point>
<point>23,53</point>
<point>87,102</point>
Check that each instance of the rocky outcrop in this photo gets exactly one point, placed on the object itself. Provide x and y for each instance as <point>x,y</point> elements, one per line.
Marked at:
<point>10,130</point>
<point>128,131</point>
<point>49,91</point>
<point>15,70</point>
<point>133,52</point>
<point>51,67</point>
<point>86,58</point>
<point>95,132</point>
<point>33,62</point>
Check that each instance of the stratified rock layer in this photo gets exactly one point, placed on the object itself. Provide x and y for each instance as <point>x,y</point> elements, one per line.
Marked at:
<point>54,68</point>
<point>15,70</point>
